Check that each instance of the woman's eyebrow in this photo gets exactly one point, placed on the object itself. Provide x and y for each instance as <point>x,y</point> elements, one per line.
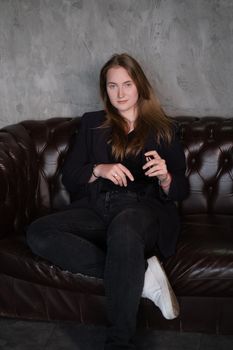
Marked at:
<point>124,82</point>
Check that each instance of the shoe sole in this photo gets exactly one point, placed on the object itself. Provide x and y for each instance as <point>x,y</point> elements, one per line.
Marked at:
<point>170,304</point>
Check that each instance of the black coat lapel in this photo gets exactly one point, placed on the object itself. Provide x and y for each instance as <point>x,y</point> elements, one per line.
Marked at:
<point>100,146</point>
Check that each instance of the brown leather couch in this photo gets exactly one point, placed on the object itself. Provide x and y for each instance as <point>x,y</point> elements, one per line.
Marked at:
<point>201,272</point>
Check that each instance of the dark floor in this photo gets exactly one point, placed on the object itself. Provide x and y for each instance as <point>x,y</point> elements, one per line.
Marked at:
<point>36,335</point>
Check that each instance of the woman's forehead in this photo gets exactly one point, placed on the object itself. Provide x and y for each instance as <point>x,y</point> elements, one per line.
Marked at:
<point>118,74</point>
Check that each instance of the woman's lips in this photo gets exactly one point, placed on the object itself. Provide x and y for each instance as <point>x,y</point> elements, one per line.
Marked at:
<point>121,102</point>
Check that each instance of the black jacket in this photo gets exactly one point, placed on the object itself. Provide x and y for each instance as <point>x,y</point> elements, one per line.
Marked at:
<point>90,147</point>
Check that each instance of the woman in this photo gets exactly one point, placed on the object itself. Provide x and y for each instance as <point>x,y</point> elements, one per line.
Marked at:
<point>124,171</point>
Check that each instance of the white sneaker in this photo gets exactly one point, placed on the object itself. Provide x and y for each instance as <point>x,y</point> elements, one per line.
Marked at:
<point>158,289</point>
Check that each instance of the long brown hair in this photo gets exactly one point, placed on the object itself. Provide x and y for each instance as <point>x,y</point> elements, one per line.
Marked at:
<point>150,114</point>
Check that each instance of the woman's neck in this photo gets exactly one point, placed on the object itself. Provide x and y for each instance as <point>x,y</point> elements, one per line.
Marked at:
<point>131,121</point>
<point>130,126</point>
<point>130,116</point>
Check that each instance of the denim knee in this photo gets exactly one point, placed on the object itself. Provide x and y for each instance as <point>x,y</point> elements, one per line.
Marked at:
<point>137,225</point>
<point>126,220</point>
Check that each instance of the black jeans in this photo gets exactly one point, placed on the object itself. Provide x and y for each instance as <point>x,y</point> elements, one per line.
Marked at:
<point>112,241</point>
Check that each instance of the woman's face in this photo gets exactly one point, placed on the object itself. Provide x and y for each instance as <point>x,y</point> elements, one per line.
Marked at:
<point>122,92</point>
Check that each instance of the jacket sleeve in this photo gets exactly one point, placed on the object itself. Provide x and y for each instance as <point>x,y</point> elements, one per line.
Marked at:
<point>77,168</point>
<point>176,165</point>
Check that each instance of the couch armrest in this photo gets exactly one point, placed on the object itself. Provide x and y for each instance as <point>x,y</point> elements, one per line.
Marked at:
<point>31,156</point>
<point>18,178</point>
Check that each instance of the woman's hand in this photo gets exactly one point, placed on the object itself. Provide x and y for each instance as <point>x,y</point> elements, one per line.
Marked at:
<point>156,166</point>
<point>117,173</point>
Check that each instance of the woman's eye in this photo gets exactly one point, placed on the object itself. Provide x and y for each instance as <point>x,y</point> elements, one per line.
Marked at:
<point>129,84</point>
<point>111,86</point>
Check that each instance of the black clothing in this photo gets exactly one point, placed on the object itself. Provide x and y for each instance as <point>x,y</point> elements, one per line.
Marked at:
<point>109,231</point>
<point>112,244</point>
<point>91,147</point>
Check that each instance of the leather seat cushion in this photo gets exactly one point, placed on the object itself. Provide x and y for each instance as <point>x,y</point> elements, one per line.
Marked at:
<point>16,260</point>
<point>200,267</point>
<point>203,264</point>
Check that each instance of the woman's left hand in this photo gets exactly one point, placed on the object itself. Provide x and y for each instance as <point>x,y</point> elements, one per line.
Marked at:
<point>155,166</point>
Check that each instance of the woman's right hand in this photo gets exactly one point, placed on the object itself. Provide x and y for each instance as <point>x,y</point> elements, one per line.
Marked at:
<point>117,173</point>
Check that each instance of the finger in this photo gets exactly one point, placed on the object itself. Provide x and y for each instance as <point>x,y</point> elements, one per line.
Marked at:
<point>151,171</point>
<point>161,166</point>
<point>114,179</point>
<point>121,181</point>
<point>126,172</point>
<point>153,154</point>
<point>158,173</point>
<point>120,177</point>
<point>123,177</point>
<point>151,163</point>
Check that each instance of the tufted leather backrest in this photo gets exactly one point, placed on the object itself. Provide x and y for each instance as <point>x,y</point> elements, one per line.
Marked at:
<point>208,145</point>
<point>32,152</point>
<point>51,140</point>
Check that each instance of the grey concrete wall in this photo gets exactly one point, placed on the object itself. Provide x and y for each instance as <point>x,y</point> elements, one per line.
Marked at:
<point>51,52</point>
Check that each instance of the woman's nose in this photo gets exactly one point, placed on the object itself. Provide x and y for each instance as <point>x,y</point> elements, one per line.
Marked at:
<point>120,92</point>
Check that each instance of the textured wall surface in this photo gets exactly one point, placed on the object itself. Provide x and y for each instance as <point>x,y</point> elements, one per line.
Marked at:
<point>51,52</point>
